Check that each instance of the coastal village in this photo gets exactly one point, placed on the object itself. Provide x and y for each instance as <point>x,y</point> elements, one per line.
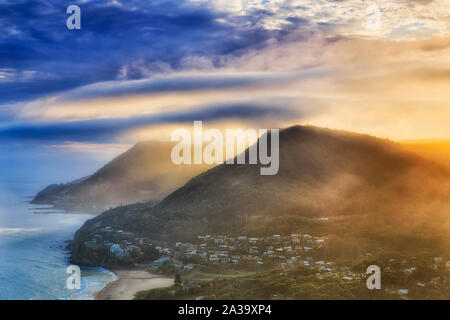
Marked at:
<point>263,253</point>
<point>283,251</point>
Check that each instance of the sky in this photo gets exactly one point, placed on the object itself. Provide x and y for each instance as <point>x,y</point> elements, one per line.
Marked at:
<point>138,69</point>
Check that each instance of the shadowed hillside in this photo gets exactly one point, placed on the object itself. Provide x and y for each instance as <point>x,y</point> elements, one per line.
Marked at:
<point>371,189</point>
<point>143,173</point>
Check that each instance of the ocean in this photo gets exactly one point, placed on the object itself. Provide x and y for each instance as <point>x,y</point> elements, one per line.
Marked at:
<point>33,261</point>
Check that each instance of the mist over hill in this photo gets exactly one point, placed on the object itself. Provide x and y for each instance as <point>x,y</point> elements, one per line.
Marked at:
<point>436,149</point>
<point>373,192</point>
<point>143,173</point>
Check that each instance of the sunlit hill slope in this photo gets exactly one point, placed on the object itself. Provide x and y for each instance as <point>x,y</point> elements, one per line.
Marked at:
<point>374,192</point>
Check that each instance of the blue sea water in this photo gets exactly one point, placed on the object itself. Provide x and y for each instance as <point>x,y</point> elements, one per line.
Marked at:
<point>33,261</point>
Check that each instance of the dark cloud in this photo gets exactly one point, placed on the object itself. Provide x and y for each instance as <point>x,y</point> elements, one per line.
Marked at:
<point>107,130</point>
<point>35,38</point>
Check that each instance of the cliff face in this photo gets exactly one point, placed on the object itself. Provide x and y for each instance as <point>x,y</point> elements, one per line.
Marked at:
<point>143,173</point>
<point>365,185</point>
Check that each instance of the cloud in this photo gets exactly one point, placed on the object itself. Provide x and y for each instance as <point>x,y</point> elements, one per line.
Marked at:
<point>11,231</point>
<point>132,40</point>
<point>172,83</point>
<point>175,93</point>
<point>107,130</point>
<point>137,39</point>
<point>74,146</point>
<point>139,64</point>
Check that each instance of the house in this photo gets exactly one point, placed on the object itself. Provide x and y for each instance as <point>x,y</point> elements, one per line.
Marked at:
<point>420,284</point>
<point>409,270</point>
<point>218,240</point>
<point>223,254</point>
<point>133,248</point>
<point>242,238</point>
<point>107,243</point>
<point>161,261</point>
<point>143,241</point>
<point>253,250</point>
<point>214,258</point>
<point>225,260</point>
<point>291,252</point>
<point>190,253</point>
<point>117,251</point>
<point>435,280</point>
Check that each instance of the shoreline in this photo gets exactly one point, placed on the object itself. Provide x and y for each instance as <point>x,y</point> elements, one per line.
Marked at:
<point>130,282</point>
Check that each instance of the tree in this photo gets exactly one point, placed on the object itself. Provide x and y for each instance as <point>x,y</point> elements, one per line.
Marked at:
<point>178,281</point>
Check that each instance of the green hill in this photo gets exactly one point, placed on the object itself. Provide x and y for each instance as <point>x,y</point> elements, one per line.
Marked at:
<point>373,192</point>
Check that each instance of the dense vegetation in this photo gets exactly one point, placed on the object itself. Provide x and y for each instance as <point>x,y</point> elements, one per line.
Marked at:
<point>295,284</point>
<point>424,282</point>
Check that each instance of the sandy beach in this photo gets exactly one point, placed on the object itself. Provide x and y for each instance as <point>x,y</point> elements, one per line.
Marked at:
<point>130,282</point>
